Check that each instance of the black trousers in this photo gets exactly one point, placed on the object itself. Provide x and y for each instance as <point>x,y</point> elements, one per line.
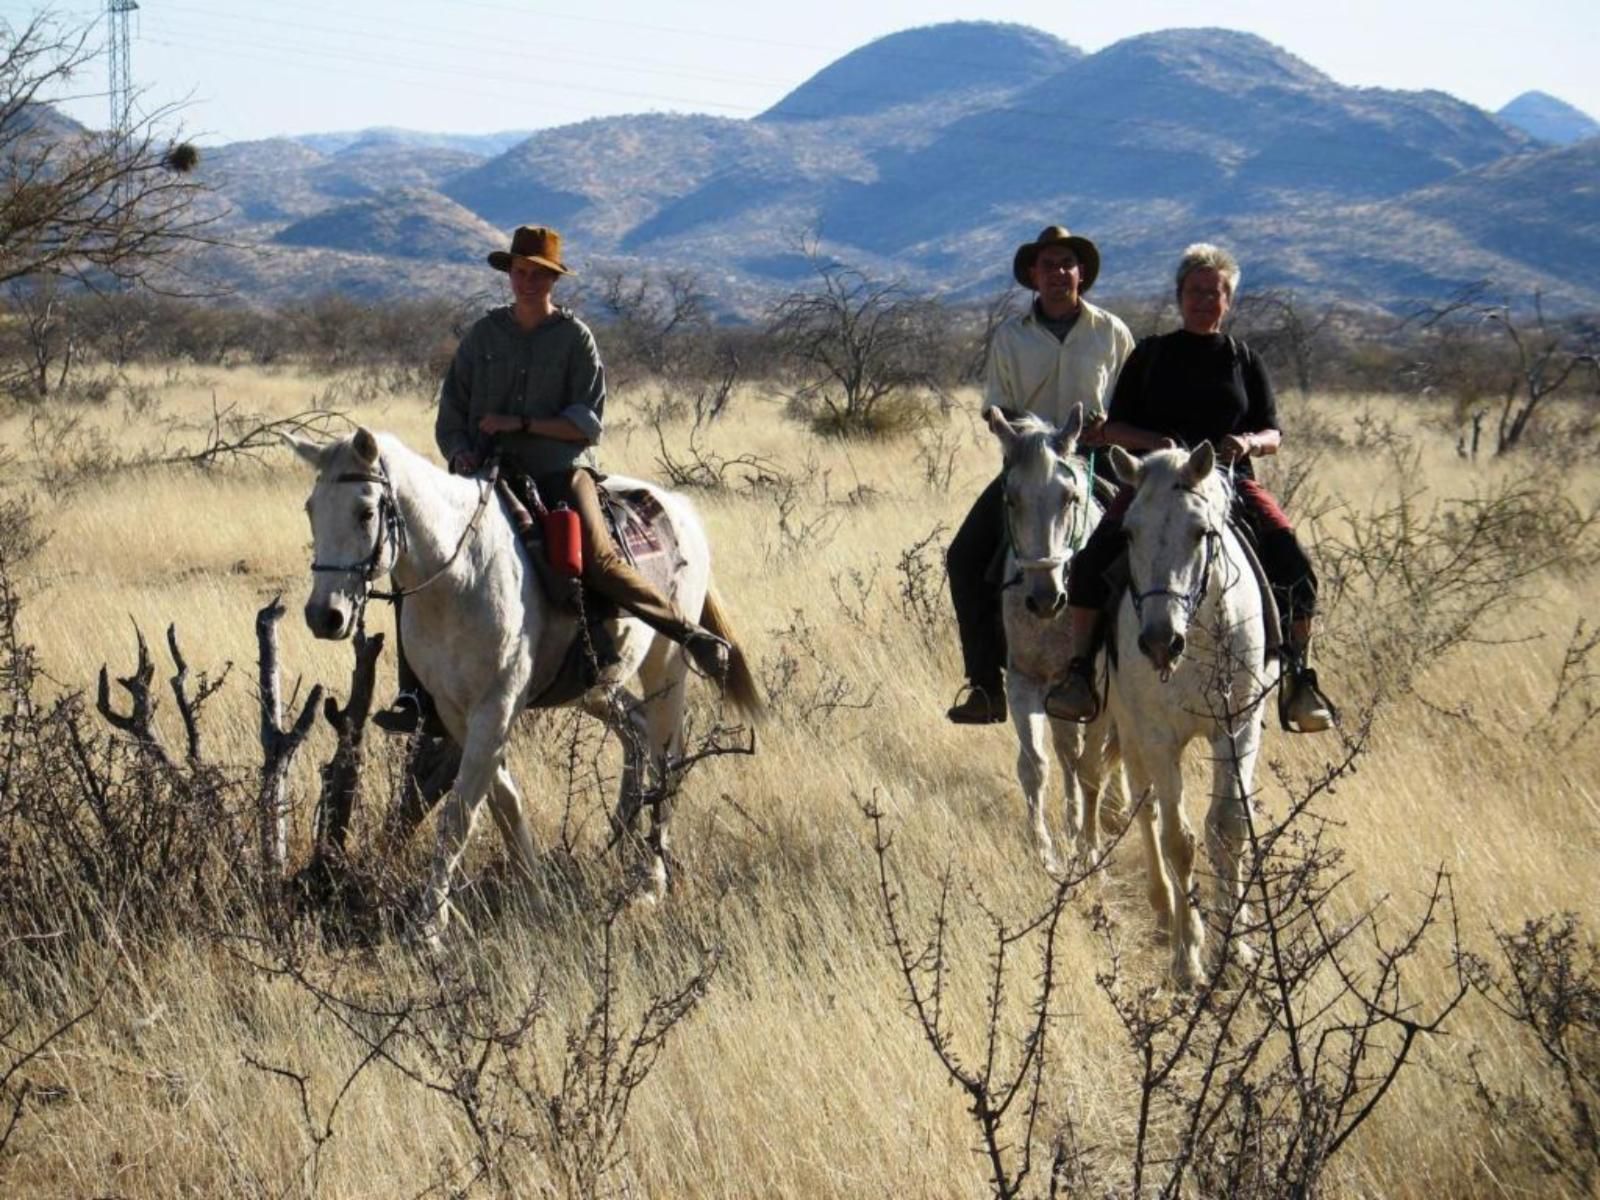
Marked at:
<point>974,594</point>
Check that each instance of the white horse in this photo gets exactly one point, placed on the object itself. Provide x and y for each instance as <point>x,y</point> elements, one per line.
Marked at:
<point>1189,663</point>
<point>482,636</point>
<point>1050,510</point>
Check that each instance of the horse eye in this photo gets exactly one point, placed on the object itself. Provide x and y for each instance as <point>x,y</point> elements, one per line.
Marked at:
<point>365,515</point>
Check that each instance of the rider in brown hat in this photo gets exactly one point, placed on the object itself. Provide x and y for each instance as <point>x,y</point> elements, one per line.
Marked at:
<point>527,384</point>
<point>1060,352</point>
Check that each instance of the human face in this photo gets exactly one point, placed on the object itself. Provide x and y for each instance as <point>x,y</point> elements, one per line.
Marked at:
<point>1056,276</point>
<point>531,284</point>
<point>1204,300</point>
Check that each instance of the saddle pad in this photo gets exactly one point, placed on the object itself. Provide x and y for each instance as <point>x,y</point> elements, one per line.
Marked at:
<point>642,531</point>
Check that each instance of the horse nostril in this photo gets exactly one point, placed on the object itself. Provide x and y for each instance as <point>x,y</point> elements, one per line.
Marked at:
<point>324,620</point>
<point>1058,604</point>
<point>1177,645</point>
<point>1031,605</point>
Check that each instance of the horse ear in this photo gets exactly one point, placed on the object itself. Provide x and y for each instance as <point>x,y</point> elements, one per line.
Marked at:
<point>1063,440</point>
<point>1201,463</point>
<point>365,446</point>
<point>314,453</point>
<point>1001,428</point>
<point>1125,466</point>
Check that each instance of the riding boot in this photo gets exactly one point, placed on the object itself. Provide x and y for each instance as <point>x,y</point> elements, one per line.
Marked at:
<point>608,573</point>
<point>1075,697</point>
<point>1302,708</point>
<point>412,710</point>
<point>985,704</point>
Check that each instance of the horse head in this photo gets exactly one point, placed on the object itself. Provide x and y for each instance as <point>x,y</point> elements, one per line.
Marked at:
<point>1173,525</point>
<point>1047,493</point>
<point>356,532</point>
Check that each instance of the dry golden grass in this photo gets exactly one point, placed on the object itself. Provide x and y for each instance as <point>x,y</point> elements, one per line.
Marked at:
<point>800,1075</point>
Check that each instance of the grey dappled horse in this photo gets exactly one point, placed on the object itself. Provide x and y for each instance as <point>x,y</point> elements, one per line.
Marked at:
<point>1050,511</point>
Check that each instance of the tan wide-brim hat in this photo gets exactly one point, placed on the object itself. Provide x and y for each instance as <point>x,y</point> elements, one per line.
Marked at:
<point>1057,235</point>
<point>539,243</point>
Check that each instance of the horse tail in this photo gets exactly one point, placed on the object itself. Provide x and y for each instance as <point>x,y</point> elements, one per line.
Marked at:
<point>740,686</point>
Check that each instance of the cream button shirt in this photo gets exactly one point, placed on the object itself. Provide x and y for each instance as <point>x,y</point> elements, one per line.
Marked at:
<point>1031,371</point>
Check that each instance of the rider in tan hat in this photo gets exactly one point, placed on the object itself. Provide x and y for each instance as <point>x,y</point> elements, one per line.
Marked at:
<point>1062,351</point>
<point>527,385</point>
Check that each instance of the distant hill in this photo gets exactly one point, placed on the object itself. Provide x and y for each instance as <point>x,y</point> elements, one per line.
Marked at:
<point>404,223</point>
<point>1549,119</point>
<point>928,155</point>
<point>977,58</point>
<point>483,145</point>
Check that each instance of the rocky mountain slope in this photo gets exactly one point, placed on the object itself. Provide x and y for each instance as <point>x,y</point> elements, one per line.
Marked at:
<point>931,153</point>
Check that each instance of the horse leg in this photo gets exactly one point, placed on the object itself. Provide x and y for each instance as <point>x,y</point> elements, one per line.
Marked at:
<point>665,697</point>
<point>505,801</point>
<point>480,759</point>
<point>1227,833</point>
<point>1178,847</point>
<point>1158,887</point>
<point>1089,759</point>
<point>1026,699</point>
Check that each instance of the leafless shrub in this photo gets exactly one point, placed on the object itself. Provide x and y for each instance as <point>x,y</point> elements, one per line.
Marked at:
<point>1539,358</point>
<point>859,349</point>
<point>1573,706</point>
<point>1550,988</point>
<point>920,571</point>
<point>802,684</point>
<point>98,829</point>
<point>700,468</point>
<point>478,1049</point>
<point>1003,1077</point>
<point>936,456</point>
<point>853,588</point>
<point>799,534</point>
<point>1249,1086</point>
<point>1417,577</point>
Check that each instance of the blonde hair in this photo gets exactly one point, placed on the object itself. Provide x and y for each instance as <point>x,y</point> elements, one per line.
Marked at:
<point>1205,256</point>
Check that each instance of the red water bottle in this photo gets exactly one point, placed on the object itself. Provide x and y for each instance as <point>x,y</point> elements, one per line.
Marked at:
<point>563,540</point>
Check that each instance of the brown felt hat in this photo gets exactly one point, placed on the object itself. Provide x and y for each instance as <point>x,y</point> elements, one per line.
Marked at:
<point>539,243</point>
<point>1057,235</point>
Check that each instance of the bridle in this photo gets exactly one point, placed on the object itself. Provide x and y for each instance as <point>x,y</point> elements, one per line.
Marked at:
<point>392,535</point>
<point>1195,596</point>
<point>1077,534</point>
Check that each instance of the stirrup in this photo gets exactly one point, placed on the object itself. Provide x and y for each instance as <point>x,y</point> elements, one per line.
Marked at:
<point>1056,700</point>
<point>408,715</point>
<point>711,655</point>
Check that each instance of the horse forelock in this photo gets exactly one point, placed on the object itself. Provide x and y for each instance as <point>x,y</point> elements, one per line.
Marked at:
<point>1161,474</point>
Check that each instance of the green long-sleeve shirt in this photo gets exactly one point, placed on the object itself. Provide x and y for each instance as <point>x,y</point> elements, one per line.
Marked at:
<point>553,370</point>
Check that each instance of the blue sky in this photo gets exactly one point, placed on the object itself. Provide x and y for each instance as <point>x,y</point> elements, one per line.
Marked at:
<point>298,66</point>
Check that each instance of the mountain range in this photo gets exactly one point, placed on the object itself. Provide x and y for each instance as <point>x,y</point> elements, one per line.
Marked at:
<point>928,155</point>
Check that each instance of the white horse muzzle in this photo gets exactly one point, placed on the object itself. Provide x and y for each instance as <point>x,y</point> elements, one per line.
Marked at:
<point>329,620</point>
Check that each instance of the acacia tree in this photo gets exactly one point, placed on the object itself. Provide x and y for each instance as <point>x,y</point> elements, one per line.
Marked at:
<point>85,204</point>
<point>1542,356</point>
<point>854,343</point>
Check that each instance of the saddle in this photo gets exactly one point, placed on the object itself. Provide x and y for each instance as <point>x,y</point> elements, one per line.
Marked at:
<point>637,526</point>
